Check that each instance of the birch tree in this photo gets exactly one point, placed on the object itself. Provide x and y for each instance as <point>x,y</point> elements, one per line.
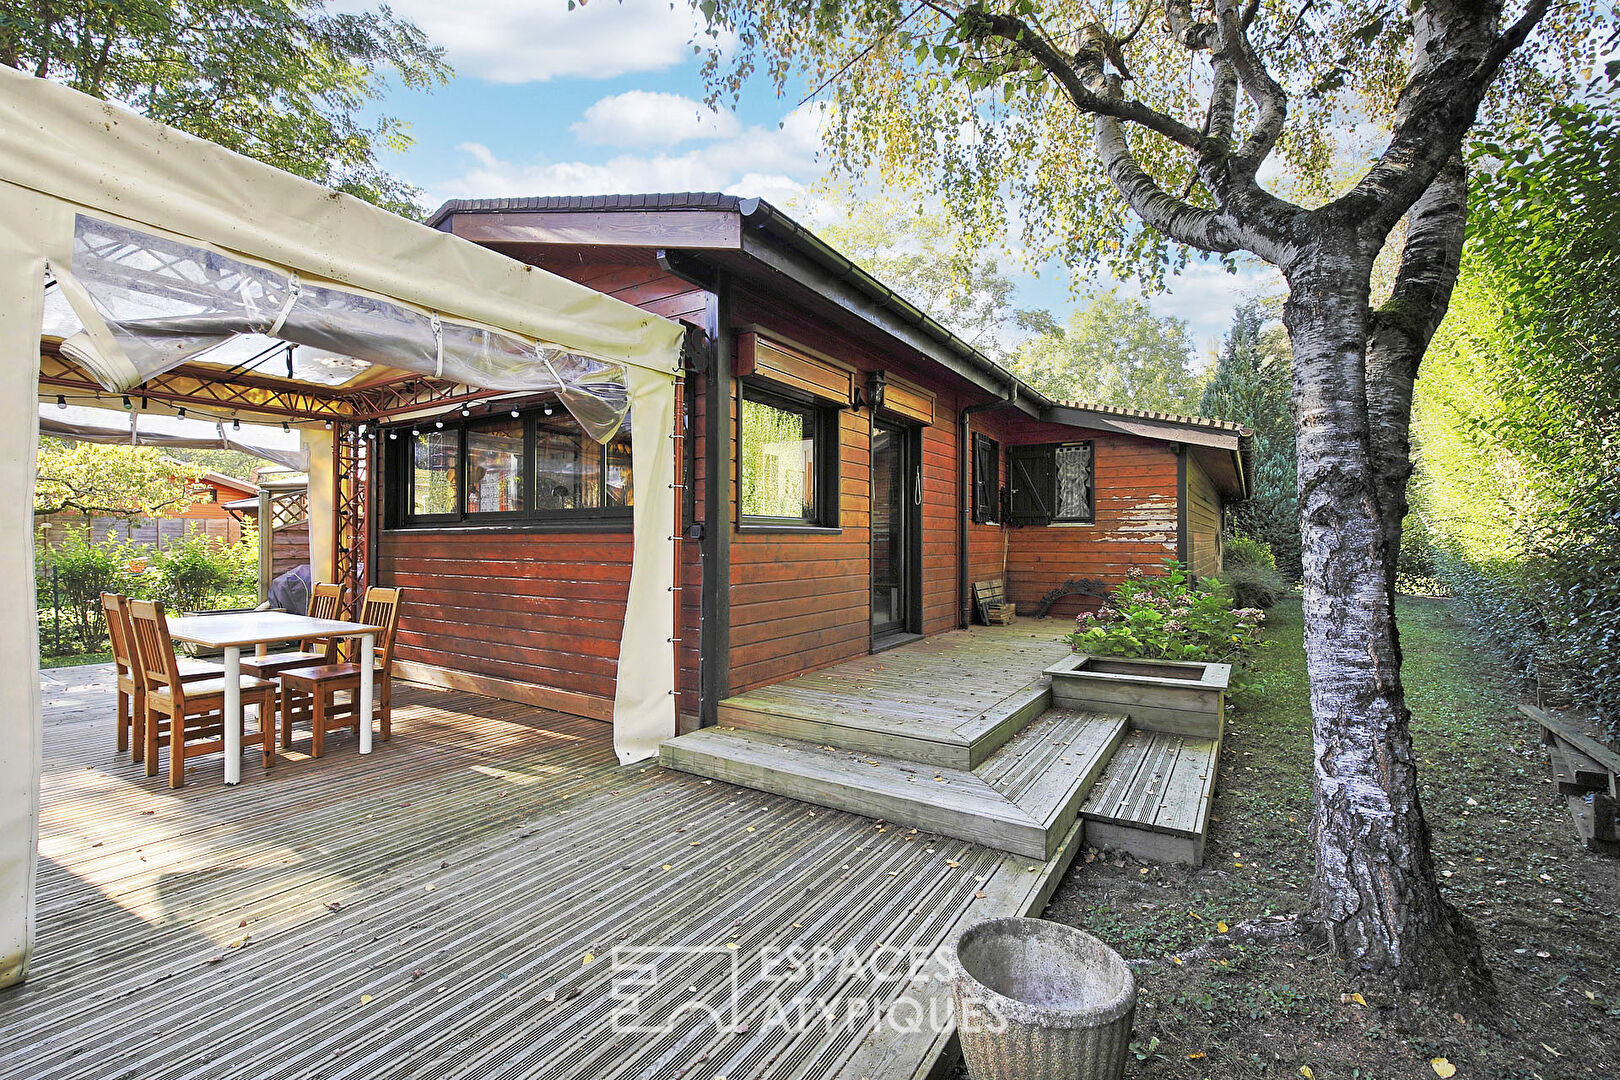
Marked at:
<point>1133,135</point>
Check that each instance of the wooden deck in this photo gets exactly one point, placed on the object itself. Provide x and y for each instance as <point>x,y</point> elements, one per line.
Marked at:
<point>950,700</point>
<point>450,905</point>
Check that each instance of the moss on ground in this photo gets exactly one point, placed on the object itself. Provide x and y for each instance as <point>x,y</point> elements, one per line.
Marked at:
<point>1548,911</point>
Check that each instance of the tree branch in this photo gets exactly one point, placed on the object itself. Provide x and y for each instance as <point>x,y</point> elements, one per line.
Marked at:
<point>1400,334</point>
<point>1435,109</point>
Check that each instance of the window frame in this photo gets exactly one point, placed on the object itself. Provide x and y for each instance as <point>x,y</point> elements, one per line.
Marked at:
<point>1090,517</point>
<point>825,434</point>
<point>399,479</point>
<point>986,514</point>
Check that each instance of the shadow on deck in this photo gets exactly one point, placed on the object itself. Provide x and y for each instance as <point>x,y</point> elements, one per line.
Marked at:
<point>451,905</point>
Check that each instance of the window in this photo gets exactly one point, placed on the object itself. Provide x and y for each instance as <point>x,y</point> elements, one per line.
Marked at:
<point>1072,500</point>
<point>536,468</point>
<point>786,471</point>
<point>986,480</point>
<point>1052,484</point>
<point>495,467</point>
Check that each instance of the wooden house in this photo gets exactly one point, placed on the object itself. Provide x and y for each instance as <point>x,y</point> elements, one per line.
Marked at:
<point>852,467</point>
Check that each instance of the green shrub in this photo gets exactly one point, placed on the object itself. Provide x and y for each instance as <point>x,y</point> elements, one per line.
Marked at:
<point>1250,569</point>
<point>1169,616</point>
<point>70,578</point>
<point>1246,551</point>
<point>200,572</point>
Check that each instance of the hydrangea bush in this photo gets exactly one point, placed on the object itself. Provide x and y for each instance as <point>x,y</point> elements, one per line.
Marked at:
<point>1170,616</point>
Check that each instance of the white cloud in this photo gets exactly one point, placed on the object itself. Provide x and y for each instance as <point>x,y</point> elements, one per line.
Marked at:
<point>1204,295</point>
<point>770,163</point>
<point>639,118</point>
<point>520,41</point>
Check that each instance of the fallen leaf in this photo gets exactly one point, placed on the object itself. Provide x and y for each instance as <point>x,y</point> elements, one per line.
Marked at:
<point>365,999</point>
<point>587,959</point>
<point>1442,1068</point>
<point>1305,1071</point>
<point>1196,1055</point>
<point>1358,999</point>
<point>1221,928</point>
<point>669,866</point>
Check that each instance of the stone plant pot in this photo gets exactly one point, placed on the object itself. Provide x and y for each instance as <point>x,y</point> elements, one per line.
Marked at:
<point>1038,1000</point>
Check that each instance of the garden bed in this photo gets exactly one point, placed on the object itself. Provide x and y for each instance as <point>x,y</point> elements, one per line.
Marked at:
<point>1159,695</point>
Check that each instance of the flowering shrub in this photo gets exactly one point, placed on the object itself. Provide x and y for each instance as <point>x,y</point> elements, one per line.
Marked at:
<point>1170,617</point>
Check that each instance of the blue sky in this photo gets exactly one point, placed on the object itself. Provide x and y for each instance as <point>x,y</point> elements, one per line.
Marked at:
<point>604,99</point>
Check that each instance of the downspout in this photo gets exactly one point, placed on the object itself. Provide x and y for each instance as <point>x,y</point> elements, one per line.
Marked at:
<point>964,487</point>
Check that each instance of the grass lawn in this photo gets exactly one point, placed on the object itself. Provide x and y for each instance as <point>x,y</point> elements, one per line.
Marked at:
<point>1547,910</point>
<point>75,661</point>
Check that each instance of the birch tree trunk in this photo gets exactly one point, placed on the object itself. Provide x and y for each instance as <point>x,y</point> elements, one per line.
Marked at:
<point>1375,886</point>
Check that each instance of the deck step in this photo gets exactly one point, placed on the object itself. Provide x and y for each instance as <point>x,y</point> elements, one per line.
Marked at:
<point>876,727</point>
<point>1154,798</point>
<point>1023,799</point>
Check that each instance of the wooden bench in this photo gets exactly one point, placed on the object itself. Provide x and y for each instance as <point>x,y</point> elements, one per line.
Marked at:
<point>1588,776</point>
<point>990,601</point>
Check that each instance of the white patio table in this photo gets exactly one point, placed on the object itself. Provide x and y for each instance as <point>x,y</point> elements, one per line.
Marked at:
<point>233,632</point>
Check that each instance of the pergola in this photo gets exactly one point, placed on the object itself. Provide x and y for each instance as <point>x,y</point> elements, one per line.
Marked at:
<point>184,280</point>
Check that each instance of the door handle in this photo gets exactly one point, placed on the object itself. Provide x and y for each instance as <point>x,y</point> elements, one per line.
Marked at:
<point>917,488</point>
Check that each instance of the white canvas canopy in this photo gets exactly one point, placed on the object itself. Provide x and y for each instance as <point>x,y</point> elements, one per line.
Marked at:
<point>170,250</point>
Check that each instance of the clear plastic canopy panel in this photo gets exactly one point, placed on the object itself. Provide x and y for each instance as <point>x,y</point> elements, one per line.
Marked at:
<point>164,301</point>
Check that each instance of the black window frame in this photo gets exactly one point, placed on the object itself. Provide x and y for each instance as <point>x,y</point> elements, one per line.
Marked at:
<point>399,480</point>
<point>1032,478</point>
<point>986,495</point>
<point>823,420</point>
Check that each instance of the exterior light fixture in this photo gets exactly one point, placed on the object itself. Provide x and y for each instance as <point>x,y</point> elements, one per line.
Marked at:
<point>416,431</point>
<point>181,412</point>
<point>465,411</point>
<point>236,425</point>
<point>548,410</point>
<point>438,423</point>
<point>393,435</point>
<point>876,384</point>
<point>515,414</point>
<point>61,401</point>
<point>127,404</point>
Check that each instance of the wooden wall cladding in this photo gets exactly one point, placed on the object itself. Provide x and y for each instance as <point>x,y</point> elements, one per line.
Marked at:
<point>772,360</point>
<point>1203,521</point>
<point>1135,525</point>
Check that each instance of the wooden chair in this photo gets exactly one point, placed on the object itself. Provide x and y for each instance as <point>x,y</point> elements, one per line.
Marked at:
<point>131,688</point>
<point>323,682</point>
<point>323,604</point>
<point>194,711</point>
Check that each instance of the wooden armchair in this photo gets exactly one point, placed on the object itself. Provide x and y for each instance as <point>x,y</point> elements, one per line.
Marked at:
<point>131,688</point>
<point>320,684</point>
<point>194,711</point>
<point>323,604</point>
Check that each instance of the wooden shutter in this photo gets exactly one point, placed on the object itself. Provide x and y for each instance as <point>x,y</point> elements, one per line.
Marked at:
<point>1030,475</point>
<point>986,479</point>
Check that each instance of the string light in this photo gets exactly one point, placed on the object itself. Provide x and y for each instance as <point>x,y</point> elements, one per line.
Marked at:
<point>415,430</point>
<point>181,412</point>
<point>548,410</point>
<point>236,425</point>
<point>515,414</point>
<point>127,404</point>
<point>465,411</point>
<point>61,401</point>
<point>438,423</point>
<point>393,435</point>
<point>286,426</point>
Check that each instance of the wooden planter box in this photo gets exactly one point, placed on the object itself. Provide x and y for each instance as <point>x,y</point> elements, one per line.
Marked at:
<point>1159,695</point>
